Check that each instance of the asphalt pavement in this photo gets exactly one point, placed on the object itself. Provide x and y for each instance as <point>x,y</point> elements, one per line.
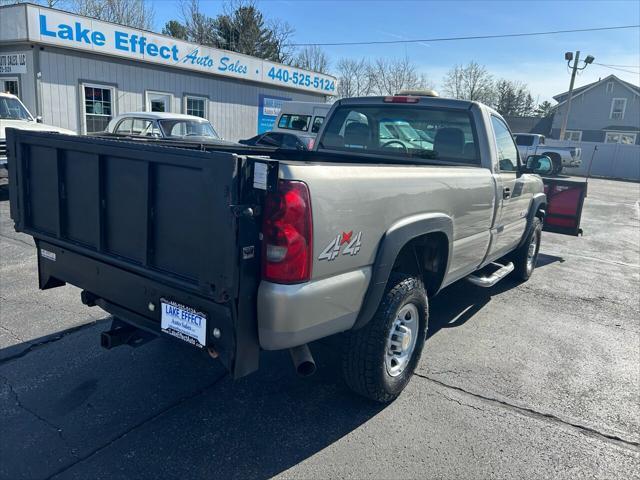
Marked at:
<point>533,380</point>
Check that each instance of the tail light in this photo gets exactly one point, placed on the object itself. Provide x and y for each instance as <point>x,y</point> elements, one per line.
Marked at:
<point>401,99</point>
<point>310,143</point>
<point>287,247</point>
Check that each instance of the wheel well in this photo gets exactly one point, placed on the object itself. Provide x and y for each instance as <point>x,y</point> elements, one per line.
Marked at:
<point>425,256</point>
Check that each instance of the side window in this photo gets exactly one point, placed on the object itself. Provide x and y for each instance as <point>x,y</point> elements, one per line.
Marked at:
<point>507,151</point>
<point>145,128</point>
<point>317,123</point>
<point>124,127</point>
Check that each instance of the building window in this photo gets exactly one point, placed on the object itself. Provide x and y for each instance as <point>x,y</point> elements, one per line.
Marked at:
<point>98,107</point>
<point>626,138</point>
<point>158,101</point>
<point>609,87</point>
<point>618,106</point>
<point>573,135</point>
<point>9,85</point>
<point>196,106</point>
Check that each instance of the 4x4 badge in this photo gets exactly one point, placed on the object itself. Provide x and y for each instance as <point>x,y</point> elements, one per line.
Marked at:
<point>352,242</point>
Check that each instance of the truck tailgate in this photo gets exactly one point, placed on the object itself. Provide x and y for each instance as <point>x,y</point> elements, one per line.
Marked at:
<point>134,224</point>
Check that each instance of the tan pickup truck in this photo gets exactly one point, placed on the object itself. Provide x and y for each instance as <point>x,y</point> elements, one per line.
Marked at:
<point>237,250</point>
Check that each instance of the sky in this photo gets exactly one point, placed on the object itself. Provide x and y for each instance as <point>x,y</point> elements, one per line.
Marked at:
<point>537,61</point>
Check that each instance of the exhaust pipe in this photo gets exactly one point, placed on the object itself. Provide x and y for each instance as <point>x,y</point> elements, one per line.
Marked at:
<point>303,361</point>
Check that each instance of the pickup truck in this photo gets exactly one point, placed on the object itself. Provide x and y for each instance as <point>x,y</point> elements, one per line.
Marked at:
<point>236,251</point>
<point>13,114</point>
<point>534,144</point>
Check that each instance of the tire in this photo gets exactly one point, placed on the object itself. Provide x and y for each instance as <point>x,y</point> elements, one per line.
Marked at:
<point>524,264</point>
<point>367,361</point>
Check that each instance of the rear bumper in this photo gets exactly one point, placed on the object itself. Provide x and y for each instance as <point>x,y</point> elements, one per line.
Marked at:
<point>134,298</point>
<point>292,315</point>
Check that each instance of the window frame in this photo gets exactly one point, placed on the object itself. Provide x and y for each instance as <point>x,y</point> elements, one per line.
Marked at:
<point>495,141</point>
<point>313,123</point>
<point>407,160</point>
<point>617,132</point>
<point>579,132</point>
<point>83,102</point>
<point>11,79</point>
<point>610,87</point>
<point>190,96</point>
<point>147,100</point>
<point>133,119</point>
<point>306,129</point>
<point>624,108</point>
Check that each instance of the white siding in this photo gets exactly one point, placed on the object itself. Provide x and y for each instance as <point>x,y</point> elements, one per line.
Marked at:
<point>233,106</point>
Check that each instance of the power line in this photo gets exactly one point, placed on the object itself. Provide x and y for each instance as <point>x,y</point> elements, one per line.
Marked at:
<point>615,68</point>
<point>612,65</point>
<point>474,37</point>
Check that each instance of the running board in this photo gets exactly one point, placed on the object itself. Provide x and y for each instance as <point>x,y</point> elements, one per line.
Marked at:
<point>495,277</point>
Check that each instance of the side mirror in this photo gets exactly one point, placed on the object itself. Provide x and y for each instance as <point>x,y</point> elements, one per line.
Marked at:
<point>39,119</point>
<point>540,164</point>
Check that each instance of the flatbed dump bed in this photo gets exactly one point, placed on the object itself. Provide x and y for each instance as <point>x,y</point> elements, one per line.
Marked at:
<point>139,226</point>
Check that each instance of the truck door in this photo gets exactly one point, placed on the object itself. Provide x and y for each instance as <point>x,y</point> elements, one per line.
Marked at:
<point>513,201</point>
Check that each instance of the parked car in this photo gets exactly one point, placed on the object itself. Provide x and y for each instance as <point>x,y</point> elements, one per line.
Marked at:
<point>276,139</point>
<point>302,119</point>
<point>235,253</point>
<point>534,144</point>
<point>167,126</point>
<point>13,114</point>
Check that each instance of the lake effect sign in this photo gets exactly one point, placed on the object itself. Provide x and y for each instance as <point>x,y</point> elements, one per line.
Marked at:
<point>142,45</point>
<point>71,31</point>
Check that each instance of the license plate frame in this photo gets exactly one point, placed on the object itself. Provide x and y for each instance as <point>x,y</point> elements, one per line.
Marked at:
<point>183,322</point>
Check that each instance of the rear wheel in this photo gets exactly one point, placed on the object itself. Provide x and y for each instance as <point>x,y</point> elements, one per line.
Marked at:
<point>526,256</point>
<point>380,358</point>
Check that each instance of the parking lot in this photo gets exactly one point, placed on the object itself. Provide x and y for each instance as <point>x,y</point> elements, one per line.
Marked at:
<point>533,380</point>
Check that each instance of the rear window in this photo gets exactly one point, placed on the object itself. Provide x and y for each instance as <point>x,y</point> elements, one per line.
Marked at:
<point>294,122</point>
<point>524,140</point>
<point>409,132</point>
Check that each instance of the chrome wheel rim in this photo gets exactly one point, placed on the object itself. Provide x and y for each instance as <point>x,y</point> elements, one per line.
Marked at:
<point>532,251</point>
<point>402,339</point>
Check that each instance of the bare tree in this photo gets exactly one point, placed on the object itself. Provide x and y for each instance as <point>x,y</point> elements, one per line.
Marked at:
<point>470,82</point>
<point>281,33</point>
<point>312,58</point>
<point>353,78</point>
<point>391,76</point>
<point>133,13</point>
<point>198,26</point>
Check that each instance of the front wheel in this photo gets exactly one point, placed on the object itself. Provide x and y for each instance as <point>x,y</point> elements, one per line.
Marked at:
<point>379,359</point>
<point>526,256</point>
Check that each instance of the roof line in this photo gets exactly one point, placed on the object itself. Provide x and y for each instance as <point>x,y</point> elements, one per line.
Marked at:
<point>588,87</point>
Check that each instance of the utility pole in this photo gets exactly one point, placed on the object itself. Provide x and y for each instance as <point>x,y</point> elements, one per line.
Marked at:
<point>574,69</point>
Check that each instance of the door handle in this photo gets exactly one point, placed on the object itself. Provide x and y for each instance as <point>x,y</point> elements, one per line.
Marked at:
<point>506,193</point>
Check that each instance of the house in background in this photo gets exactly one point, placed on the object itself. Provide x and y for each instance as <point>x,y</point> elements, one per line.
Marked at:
<point>605,111</point>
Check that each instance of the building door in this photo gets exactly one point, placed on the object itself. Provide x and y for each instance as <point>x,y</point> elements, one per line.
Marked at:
<point>158,102</point>
<point>9,85</point>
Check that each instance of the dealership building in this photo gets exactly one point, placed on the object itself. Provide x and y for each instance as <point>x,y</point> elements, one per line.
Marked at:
<point>77,73</point>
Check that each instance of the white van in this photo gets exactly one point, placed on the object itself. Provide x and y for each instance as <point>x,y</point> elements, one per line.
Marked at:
<point>302,119</point>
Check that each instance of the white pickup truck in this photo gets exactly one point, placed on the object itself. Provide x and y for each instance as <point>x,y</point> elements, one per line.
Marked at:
<point>534,144</point>
<point>13,114</point>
